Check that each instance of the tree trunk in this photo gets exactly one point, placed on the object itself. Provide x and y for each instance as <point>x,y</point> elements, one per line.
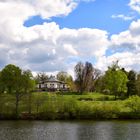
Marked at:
<point>115,97</point>
<point>29,103</point>
<point>17,105</point>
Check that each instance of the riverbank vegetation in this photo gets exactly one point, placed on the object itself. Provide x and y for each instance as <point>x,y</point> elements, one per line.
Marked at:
<point>113,94</point>
<point>48,106</point>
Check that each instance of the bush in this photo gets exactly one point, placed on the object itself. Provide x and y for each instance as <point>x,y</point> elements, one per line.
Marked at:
<point>98,110</point>
<point>133,103</point>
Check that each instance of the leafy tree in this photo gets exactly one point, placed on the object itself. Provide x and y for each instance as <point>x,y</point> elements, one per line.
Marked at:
<point>138,84</point>
<point>28,81</point>
<point>28,86</point>
<point>67,78</point>
<point>1,85</point>
<point>116,80</point>
<point>100,85</point>
<point>41,77</point>
<point>131,85</point>
<point>15,82</point>
<point>62,76</point>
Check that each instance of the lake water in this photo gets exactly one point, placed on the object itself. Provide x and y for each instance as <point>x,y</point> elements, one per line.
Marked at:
<point>69,130</point>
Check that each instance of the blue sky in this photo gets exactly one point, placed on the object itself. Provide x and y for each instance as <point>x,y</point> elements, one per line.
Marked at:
<point>96,14</point>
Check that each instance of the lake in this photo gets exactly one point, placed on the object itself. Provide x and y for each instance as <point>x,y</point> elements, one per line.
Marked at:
<point>69,130</point>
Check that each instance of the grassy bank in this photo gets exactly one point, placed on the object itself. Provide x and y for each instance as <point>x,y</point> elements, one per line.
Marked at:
<point>50,106</point>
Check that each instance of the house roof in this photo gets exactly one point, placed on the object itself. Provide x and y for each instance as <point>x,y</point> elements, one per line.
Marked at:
<point>53,79</point>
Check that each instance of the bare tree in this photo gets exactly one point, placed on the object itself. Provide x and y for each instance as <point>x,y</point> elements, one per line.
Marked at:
<point>79,68</point>
<point>96,74</point>
<point>87,76</point>
<point>84,76</point>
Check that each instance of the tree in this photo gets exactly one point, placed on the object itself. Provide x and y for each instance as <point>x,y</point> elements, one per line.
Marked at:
<point>41,77</point>
<point>131,85</point>
<point>1,85</point>
<point>79,68</point>
<point>88,76</point>
<point>100,85</point>
<point>28,82</point>
<point>62,76</point>
<point>84,76</point>
<point>15,82</point>
<point>67,78</point>
<point>138,84</point>
<point>96,79</point>
<point>116,80</point>
<point>28,86</point>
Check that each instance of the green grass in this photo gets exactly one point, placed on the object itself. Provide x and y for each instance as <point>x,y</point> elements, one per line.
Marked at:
<point>58,106</point>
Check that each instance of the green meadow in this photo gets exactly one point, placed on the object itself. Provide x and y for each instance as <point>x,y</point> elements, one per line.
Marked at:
<point>52,106</point>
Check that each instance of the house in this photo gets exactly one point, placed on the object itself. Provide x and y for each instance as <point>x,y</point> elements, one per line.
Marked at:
<point>52,84</point>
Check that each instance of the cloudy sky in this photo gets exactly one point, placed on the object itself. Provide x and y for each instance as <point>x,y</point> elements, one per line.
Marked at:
<point>53,35</point>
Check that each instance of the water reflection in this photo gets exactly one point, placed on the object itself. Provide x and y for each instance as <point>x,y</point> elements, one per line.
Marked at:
<point>60,130</point>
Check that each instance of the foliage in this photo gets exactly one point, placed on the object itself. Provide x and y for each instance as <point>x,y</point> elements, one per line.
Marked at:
<point>133,103</point>
<point>138,84</point>
<point>100,85</point>
<point>11,78</point>
<point>65,77</point>
<point>41,77</point>
<point>17,82</point>
<point>116,80</point>
<point>53,106</point>
<point>132,90</point>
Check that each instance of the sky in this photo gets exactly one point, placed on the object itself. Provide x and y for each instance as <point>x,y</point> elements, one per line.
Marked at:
<point>54,35</point>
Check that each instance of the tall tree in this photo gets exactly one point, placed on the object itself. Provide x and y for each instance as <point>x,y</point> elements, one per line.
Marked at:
<point>84,76</point>
<point>2,87</point>
<point>131,85</point>
<point>116,80</point>
<point>138,84</point>
<point>79,68</point>
<point>88,76</point>
<point>15,82</point>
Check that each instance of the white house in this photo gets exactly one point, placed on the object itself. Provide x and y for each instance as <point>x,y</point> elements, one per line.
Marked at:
<point>52,84</point>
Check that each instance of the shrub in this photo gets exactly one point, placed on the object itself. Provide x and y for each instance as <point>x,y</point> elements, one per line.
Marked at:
<point>133,103</point>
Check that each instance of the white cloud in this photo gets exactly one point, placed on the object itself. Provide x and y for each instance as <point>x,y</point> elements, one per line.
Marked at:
<point>128,44</point>
<point>123,17</point>
<point>48,48</point>
<point>135,5</point>
<point>45,47</point>
<point>68,48</point>
<point>128,60</point>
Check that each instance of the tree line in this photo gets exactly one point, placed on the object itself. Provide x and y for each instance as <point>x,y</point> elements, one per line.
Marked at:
<point>114,81</point>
